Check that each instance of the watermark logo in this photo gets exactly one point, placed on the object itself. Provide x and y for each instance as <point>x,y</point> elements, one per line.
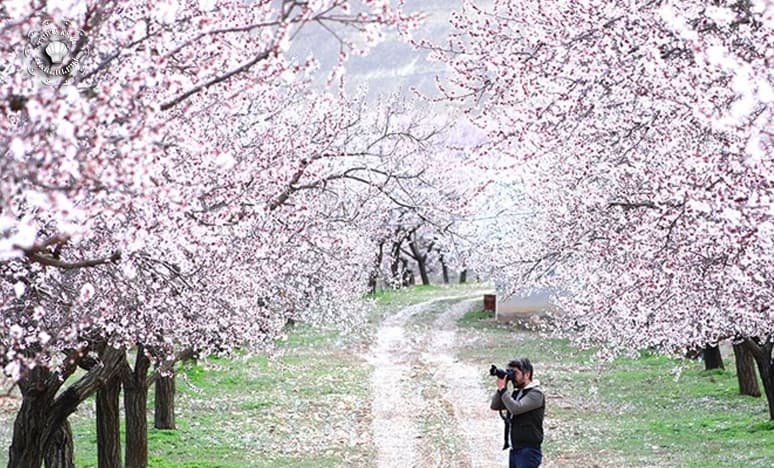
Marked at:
<point>56,53</point>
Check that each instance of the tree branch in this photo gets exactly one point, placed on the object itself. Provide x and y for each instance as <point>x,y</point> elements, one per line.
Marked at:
<point>633,205</point>
<point>67,402</point>
<point>168,365</point>
<point>55,262</point>
<point>219,79</point>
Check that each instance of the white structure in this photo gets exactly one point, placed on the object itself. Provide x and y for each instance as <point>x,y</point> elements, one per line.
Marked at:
<point>523,306</point>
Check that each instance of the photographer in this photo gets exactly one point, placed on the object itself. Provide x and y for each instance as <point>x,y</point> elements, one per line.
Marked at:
<point>525,407</point>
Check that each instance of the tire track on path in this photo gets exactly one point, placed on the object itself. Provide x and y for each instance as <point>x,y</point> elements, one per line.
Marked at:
<point>478,426</point>
<point>392,426</point>
<point>396,404</point>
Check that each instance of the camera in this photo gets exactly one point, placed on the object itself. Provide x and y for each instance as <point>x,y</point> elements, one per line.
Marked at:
<point>507,374</point>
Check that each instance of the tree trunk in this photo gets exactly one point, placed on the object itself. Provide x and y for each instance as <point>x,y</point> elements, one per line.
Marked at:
<point>463,276</point>
<point>745,372</point>
<point>395,262</point>
<point>164,414</point>
<point>444,270</point>
<point>27,447</point>
<point>761,351</point>
<point>60,452</point>
<point>712,358</point>
<point>373,277</point>
<point>407,276</point>
<point>422,266</point>
<point>420,258</point>
<point>29,426</point>
<point>135,411</point>
<point>109,425</point>
<point>164,407</point>
<point>39,421</point>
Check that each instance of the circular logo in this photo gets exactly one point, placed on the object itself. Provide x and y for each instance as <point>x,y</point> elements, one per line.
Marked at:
<point>55,53</point>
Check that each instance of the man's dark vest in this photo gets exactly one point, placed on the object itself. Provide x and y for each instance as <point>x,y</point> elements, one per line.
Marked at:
<point>527,428</point>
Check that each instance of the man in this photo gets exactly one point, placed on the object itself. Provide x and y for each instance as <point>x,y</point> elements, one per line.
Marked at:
<point>526,406</point>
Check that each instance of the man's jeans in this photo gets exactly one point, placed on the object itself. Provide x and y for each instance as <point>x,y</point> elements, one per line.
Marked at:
<point>526,457</point>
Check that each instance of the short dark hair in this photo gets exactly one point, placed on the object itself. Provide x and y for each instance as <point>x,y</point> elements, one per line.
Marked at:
<point>523,365</point>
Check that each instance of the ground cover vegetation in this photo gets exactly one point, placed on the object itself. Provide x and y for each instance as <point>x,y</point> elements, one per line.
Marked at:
<point>651,410</point>
<point>304,404</point>
<point>648,410</point>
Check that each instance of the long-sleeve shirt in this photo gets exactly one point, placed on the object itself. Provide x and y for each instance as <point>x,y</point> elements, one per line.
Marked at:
<point>534,399</point>
<point>527,408</point>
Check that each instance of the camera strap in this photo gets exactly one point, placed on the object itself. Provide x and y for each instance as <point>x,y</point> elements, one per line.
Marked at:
<point>506,417</point>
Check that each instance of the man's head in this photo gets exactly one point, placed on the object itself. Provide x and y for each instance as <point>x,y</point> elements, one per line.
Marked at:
<point>522,372</point>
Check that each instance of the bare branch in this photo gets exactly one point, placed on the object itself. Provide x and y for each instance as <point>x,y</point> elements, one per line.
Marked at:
<point>55,262</point>
<point>633,205</point>
<point>219,79</point>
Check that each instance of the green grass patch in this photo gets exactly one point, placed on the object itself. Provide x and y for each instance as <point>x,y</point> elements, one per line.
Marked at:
<point>474,316</point>
<point>406,295</point>
<point>415,294</point>
<point>652,410</point>
<point>305,404</point>
<point>300,406</point>
<point>389,300</point>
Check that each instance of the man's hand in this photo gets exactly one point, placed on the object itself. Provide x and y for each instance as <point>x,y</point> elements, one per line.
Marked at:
<point>501,383</point>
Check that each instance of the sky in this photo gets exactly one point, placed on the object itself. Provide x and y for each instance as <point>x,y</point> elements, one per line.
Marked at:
<point>393,65</point>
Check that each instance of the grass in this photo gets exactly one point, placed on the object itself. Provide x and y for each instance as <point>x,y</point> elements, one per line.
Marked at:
<point>476,316</point>
<point>390,299</point>
<point>301,406</point>
<point>306,404</point>
<point>400,297</point>
<point>649,411</point>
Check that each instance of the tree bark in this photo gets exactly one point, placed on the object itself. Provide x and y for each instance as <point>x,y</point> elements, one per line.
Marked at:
<point>745,372</point>
<point>422,266</point>
<point>420,258</point>
<point>444,270</point>
<point>135,411</point>
<point>42,415</point>
<point>395,264</point>
<point>463,276</point>
<point>373,277</point>
<point>761,351</point>
<point>407,276</point>
<point>712,358</point>
<point>61,451</point>
<point>164,407</point>
<point>109,424</point>
<point>164,379</point>
<point>37,398</point>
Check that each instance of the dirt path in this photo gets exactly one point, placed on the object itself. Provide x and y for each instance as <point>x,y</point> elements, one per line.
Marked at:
<point>478,425</point>
<point>393,427</point>
<point>417,377</point>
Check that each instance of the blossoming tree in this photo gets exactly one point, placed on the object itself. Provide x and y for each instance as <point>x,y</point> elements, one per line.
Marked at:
<point>641,134</point>
<point>159,192</point>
